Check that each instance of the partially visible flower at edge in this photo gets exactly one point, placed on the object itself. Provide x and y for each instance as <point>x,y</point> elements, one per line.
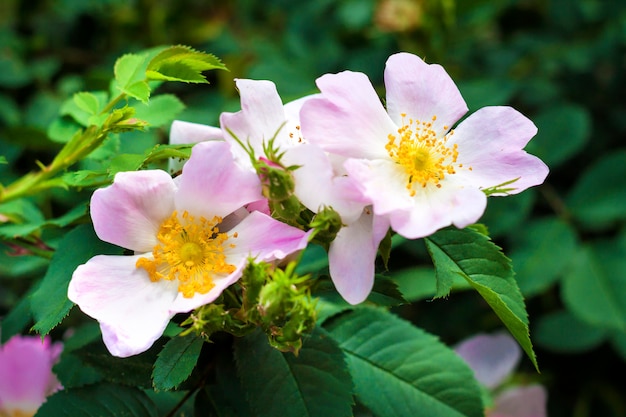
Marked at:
<point>493,358</point>
<point>191,237</point>
<point>26,377</point>
<point>407,160</point>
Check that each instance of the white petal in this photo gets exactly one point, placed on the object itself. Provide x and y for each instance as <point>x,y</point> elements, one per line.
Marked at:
<point>132,310</point>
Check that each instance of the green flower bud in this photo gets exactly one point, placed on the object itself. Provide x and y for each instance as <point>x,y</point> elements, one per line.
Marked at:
<point>326,223</point>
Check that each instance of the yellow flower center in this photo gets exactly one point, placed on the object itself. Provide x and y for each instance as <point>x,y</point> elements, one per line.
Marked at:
<point>423,155</point>
<point>190,251</point>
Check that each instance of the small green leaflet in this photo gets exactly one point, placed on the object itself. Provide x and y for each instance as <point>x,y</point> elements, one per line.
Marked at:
<point>130,76</point>
<point>3,160</point>
<point>100,400</point>
<point>399,370</point>
<point>181,63</point>
<point>482,264</point>
<point>316,383</point>
<point>176,361</point>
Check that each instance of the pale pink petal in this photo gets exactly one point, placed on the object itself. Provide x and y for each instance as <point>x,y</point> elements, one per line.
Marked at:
<point>491,141</point>
<point>384,184</point>
<point>265,239</point>
<point>132,310</point>
<point>458,207</point>
<point>260,118</point>
<point>261,205</point>
<point>182,133</point>
<point>212,184</point>
<point>350,120</point>
<point>188,133</point>
<point>316,186</point>
<point>492,357</point>
<point>422,91</point>
<point>292,109</point>
<point>529,401</point>
<point>352,254</point>
<point>26,376</point>
<point>129,212</point>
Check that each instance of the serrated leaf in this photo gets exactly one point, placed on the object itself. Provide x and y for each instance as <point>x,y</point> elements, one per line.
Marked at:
<point>385,292</point>
<point>160,111</point>
<point>101,400</point>
<point>87,102</point>
<point>83,107</point>
<point>130,76</point>
<point>399,370</point>
<point>181,63</point>
<point>49,303</point>
<point>314,383</point>
<point>227,397</point>
<point>598,199</point>
<point>176,361</point>
<point>593,288</point>
<point>478,260</point>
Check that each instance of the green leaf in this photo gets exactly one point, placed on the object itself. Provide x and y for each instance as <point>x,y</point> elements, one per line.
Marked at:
<point>542,251</point>
<point>227,397</point>
<point>314,383</point>
<point>593,288</point>
<point>598,199</point>
<point>384,249</point>
<point>134,371</point>
<point>84,106</point>
<point>160,110</point>
<point>181,63</point>
<point>399,370</point>
<point>562,132</point>
<point>17,319</point>
<point>101,400</point>
<point>87,102</point>
<point>49,303</point>
<point>561,331</point>
<point>130,76</point>
<point>476,258</point>
<point>384,293</point>
<point>176,361</point>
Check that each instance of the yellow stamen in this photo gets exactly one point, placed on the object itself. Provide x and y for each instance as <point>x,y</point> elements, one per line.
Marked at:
<point>422,153</point>
<point>190,251</point>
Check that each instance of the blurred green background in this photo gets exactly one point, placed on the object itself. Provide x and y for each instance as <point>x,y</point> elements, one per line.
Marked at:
<point>560,62</point>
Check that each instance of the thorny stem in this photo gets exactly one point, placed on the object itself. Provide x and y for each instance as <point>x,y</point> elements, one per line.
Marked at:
<point>35,181</point>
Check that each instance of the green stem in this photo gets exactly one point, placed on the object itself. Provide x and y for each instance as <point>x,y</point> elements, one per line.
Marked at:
<point>113,103</point>
<point>72,152</point>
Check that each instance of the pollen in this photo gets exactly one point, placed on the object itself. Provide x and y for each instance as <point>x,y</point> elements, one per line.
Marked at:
<point>190,251</point>
<point>422,153</point>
